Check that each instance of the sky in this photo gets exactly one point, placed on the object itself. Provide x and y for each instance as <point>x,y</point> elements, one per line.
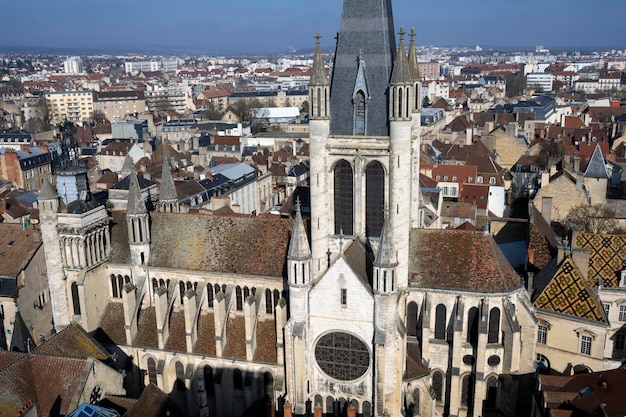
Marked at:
<point>249,26</point>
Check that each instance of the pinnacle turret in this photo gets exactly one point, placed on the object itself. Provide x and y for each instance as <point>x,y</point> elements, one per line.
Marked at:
<point>299,249</point>
<point>318,72</point>
<point>136,204</point>
<point>414,68</point>
<point>401,72</point>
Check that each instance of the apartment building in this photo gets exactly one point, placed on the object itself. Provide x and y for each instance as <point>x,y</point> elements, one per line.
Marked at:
<point>117,104</point>
<point>72,106</point>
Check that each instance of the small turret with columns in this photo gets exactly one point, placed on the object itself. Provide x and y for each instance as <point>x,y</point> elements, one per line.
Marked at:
<point>138,223</point>
<point>385,264</point>
<point>168,198</point>
<point>299,267</point>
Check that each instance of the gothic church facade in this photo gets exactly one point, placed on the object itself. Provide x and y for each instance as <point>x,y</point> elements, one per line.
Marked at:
<point>360,313</point>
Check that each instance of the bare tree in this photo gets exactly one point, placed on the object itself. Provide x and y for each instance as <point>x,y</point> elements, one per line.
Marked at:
<point>596,218</point>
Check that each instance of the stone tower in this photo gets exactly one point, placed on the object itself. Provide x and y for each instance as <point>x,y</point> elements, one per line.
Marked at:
<point>70,171</point>
<point>364,135</point>
<point>138,223</point>
<point>168,199</point>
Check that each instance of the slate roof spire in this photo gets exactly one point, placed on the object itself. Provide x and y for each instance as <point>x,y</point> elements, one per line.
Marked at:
<point>168,189</point>
<point>47,192</point>
<point>299,249</point>
<point>318,72</point>
<point>135,205</point>
<point>386,257</point>
<point>401,73</point>
<point>596,167</point>
<point>366,27</point>
<point>413,63</point>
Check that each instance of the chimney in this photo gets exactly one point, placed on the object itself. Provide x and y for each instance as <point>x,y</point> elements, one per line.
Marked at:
<point>468,136</point>
<point>531,277</point>
<point>552,169</point>
<point>545,178</point>
<point>577,164</point>
<point>546,209</point>
<point>317,411</point>
<point>580,256</point>
<point>488,128</point>
<point>579,181</point>
<point>351,410</point>
<point>287,412</point>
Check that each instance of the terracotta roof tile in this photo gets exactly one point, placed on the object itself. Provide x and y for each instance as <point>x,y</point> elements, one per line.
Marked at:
<point>459,260</point>
<point>147,334</point>
<point>112,325</point>
<point>235,338</point>
<point>73,342</point>
<point>250,246</point>
<point>266,342</point>
<point>176,340</point>
<point>205,344</point>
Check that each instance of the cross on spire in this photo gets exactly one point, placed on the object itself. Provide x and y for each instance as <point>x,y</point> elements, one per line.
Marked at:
<point>402,32</point>
<point>317,38</point>
<point>412,34</point>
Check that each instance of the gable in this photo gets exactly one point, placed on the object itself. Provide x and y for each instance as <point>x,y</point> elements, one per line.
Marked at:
<point>568,293</point>
<point>325,303</point>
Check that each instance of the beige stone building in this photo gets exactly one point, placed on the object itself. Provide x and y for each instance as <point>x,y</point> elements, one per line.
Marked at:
<point>118,104</point>
<point>72,106</point>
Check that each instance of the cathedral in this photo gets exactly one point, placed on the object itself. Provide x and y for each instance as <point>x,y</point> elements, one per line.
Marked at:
<point>358,311</point>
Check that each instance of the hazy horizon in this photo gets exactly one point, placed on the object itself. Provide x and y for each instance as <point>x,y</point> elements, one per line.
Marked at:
<point>281,25</point>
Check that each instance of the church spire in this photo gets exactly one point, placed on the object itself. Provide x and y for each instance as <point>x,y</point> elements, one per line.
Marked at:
<point>366,29</point>
<point>299,249</point>
<point>318,72</point>
<point>136,204</point>
<point>386,255</point>
<point>401,73</point>
<point>414,68</point>
<point>319,87</point>
<point>168,189</point>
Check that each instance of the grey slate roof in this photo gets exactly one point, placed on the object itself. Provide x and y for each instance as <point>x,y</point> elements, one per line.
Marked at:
<point>367,29</point>
<point>318,72</point>
<point>596,167</point>
<point>168,189</point>
<point>47,192</point>
<point>401,73</point>
<point>299,249</point>
<point>136,205</point>
<point>413,64</point>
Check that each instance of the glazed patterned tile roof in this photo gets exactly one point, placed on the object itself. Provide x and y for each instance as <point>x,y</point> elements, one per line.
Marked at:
<point>459,260</point>
<point>250,246</point>
<point>73,342</point>
<point>607,257</point>
<point>569,293</point>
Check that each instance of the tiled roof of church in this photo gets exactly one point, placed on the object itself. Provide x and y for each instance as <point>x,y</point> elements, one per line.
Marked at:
<point>235,338</point>
<point>266,341</point>
<point>120,249</point>
<point>73,342</point>
<point>607,257</point>
<point>176,340</point>
<point>146,330</point>
<point>568,293</point>
<point>205,344</point>
<point>250,246</point>
<point>360,260</point>
<point>110,329</point>
<point>414,366</point>
<point>154,403</point>
<point>459,260</point>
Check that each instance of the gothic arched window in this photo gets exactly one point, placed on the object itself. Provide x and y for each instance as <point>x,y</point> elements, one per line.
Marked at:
<point>374,199</point>
<point>344,198</point>
<point>438,386</point>
<point>152,371</point>
<point>359,113</point>
<point>440,322</point>
<point>472,325</point>
<point>411,319</point>
<point>494,326</point>
<point>75,299</point>
<point>467,391</point>
<point>239,298</point>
